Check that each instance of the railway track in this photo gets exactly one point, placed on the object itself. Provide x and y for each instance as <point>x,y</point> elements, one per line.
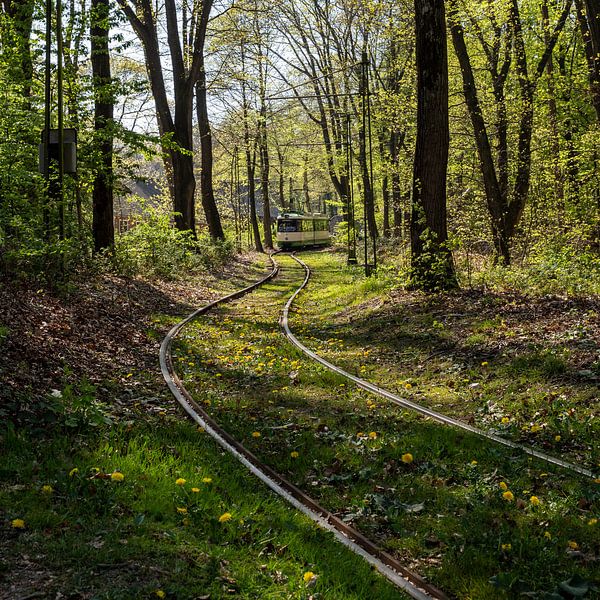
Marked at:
<point>418,408</point>
<point>411,583</point>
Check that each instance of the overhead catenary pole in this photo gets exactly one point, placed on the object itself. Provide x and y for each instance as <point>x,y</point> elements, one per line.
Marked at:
<point>350,196</point>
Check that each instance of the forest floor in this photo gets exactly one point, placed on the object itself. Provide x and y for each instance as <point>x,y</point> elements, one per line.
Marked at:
<point>83,399</point>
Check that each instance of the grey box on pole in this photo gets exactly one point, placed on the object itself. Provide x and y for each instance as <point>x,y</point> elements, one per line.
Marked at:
<point>69,149</point>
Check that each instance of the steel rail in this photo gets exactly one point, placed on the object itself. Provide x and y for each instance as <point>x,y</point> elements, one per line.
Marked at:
<point>411,583</point>
<point>404,403</point>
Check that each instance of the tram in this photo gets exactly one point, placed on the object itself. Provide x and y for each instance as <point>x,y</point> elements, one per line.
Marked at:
<point>296,230</point>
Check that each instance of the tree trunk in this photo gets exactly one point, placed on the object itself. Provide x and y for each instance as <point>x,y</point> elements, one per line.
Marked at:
<point>209,205</point>
<point>431,260</point>
<point>588,18</point>
<point>103,223</point>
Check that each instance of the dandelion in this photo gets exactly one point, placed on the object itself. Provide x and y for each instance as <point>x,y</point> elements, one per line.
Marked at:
<point>557,438</point>
<point>502,485</point>
<point>294,454</point>
<point>592,522</point>
<point>256,434</point>
<point>473,463</point>
<point>73,472</point>
<point>547,535</point>
<point>360,434</point>
<point>534,428</point>
<point>47,489</point>
<point>407,386</point>
<point>206,480</point>
<point>484,363</point>
<point>160,594</point>
<point>373,435</point>
<point>182,510</point>
<point>180,481</point>
<point>200,429</point>
<point>505,420</point>
<point>506,547</point>
<point>535,501</point>
<point>117,476</point>
<point>195,490</point>
<point>308,576</point>
<point>407,458</point>
<point>225,517</point>
<point>573,545</point>
<point>18,524</point>
<point>508,496</point>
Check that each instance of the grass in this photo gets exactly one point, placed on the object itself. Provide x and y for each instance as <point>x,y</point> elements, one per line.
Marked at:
<point>442,509</point>
<point>90,534</point>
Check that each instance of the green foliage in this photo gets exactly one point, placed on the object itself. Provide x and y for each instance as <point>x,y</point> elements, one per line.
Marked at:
<point>550,269</point>
<point>155,247</point>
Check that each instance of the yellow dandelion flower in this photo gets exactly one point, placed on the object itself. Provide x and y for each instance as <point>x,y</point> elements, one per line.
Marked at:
<point>308,576</point>
<point>117,476</point>
<point>195,490</point>
<point>506,547</point>
<point>503,486</point>
<point>73,472</point>
<point>557,438</point>
<point>373,435</point>
<point>160,594</point>
<point>592,522</point>
<point>535,501</point>
<point>47,489</point>
<point>505,420</point>
<point>534,428</point>
<point>256,434</point>
<point>508,496</point>
<point>360,434</point>
<point>547,535</point>
<point>484,363</point>
<point>573,545</point>
<point>225,517</point>
<point>206,480</point>
<point>407,458</point>
<point>18,524</point>
<point>407,386</point>
<point>474,463</point>
<point>294,454</point>
<point>180,481</point>
<point>200,429</point>
<point>182,510</point>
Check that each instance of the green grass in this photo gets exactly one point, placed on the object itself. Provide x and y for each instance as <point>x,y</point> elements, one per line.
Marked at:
<point>443,513</point>
<point>127,539</point>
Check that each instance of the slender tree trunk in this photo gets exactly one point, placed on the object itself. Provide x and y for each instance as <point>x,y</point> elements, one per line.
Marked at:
<point>431,259</point>
<point>588,17</point>
<point>103,223</point>
<point>209,205</point>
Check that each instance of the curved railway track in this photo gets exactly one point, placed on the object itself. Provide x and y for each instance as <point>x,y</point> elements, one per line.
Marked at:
<point>407,404</point>
<point>411,583</point>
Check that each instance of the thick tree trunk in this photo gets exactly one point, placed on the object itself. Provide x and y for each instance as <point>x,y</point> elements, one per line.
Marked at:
<point>588,17</point>
<point>431,259</point>
<point>209,205</point>
<point>103,223</point>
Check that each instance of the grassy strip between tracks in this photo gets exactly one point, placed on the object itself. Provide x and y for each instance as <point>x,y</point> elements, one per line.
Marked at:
<point>479,521</point>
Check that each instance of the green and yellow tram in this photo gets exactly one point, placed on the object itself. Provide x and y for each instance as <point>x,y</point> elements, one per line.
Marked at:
<point>295,230</point>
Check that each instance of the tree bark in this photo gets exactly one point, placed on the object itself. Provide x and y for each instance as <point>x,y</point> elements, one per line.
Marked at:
<point>431,260</point>
<point>103,222</point>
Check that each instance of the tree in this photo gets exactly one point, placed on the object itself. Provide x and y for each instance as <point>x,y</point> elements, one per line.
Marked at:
<point>176,128</point>
<point>103,223</point>
<point>431,258</point>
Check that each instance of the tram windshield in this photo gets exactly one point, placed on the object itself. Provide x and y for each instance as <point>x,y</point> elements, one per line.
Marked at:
<point>287,225</point>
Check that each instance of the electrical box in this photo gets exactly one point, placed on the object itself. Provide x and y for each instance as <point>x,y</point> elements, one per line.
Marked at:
<point>69,149</point>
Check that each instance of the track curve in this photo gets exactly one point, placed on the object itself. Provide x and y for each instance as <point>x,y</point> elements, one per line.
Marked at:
<point>411,583</point>
<point>404,403</point>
